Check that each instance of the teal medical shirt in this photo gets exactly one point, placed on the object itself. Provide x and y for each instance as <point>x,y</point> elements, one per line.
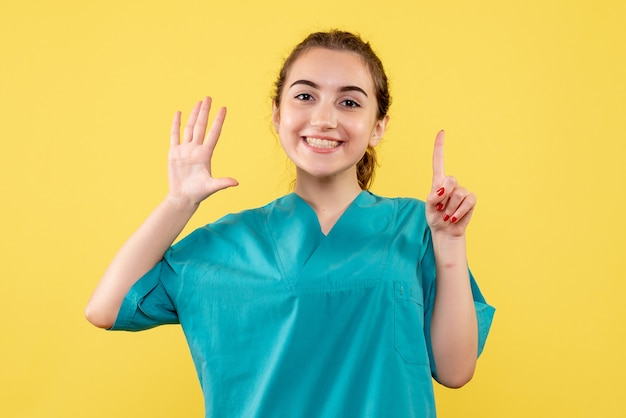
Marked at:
<point>283,321</point>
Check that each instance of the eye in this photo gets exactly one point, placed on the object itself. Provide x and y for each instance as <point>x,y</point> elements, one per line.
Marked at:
<point>350,104</point>
<point>304,97</point>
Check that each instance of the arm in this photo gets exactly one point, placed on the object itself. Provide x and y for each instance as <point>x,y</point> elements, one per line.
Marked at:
<point>454,329</point>
<point>190,182</point>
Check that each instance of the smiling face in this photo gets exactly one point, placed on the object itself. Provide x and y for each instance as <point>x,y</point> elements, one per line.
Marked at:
<point>327,115</point>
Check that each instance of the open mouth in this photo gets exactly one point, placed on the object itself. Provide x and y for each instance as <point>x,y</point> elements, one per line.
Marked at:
<point>322,143</point>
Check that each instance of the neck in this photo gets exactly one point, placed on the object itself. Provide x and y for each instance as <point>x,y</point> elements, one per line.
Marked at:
<point>327,194</point>
<point>329,197</point>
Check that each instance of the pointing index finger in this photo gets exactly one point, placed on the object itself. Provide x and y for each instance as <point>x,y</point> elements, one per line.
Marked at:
<point>438,168</point>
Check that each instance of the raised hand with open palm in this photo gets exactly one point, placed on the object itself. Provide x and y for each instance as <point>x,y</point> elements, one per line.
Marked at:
<point>190,177</point>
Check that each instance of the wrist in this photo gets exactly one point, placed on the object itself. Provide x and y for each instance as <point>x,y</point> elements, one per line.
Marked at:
<point>448,239</point>
<point>180,204</point>
<point>450,250</point>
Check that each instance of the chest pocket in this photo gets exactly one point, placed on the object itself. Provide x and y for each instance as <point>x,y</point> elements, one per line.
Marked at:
<point>409,339</point>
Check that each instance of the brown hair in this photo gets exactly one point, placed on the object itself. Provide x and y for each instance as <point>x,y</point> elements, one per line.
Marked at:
<point>346,41</point>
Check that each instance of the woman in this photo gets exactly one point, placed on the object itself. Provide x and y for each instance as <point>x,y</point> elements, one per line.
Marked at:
<point>330,301</point>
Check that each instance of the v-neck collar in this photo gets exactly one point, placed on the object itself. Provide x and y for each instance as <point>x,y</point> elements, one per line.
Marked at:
<point>308,208</point>
<point>303,250</point>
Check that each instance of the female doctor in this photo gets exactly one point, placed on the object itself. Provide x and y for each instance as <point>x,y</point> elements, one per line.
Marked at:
<point>330,301</point>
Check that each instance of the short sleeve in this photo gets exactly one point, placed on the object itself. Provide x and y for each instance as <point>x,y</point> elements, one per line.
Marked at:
<point>147,304</point>
<point>484,314</point>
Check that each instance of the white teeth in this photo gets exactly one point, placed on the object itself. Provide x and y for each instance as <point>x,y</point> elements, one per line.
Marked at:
<point>321,143</point>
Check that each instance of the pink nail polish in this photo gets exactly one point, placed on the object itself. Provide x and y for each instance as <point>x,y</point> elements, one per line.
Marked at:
<point>441,191</point>
<point>445,217</point>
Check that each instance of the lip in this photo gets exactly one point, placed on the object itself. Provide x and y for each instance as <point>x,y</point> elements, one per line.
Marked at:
<point>325,137</point>
<point>321,150</point>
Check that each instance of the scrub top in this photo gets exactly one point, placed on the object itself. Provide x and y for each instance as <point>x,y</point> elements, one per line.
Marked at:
<point>284,321</point>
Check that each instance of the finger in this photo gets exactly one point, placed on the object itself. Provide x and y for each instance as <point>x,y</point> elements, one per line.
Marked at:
<point>188,132</point>
<point>436,199</point>
<point>225,182</point>
<point>438,168</point>
<point>440,197</point>
<point>216,128</point>
<point>199,128</point>
<point>175,132</point>
<point>454,202</point>
<point>465,209</point>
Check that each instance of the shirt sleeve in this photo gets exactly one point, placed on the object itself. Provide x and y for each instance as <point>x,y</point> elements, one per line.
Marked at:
<point>148,304</point>
<point>484,314</point>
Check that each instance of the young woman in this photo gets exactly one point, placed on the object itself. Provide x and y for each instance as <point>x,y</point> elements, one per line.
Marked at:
<point>330,301</point>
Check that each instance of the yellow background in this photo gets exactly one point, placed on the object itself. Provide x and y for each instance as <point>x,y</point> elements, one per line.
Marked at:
<point>532,96</point>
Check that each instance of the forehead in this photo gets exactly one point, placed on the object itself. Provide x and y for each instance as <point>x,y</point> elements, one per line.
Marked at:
<point>331,68</point>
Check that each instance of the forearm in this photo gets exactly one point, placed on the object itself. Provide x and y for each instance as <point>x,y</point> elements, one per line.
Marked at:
<point>143,250</point>
<point>454,329</point>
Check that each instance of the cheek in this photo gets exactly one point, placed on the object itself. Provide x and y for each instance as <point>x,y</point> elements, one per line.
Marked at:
<point>360,127</point>
<point>286,130</point>
<point>289,121</point>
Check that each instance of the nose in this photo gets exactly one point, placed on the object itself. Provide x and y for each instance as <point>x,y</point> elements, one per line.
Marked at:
<point>324,116</point>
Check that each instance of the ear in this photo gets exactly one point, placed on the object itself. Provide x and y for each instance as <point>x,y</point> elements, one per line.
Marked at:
<point>379,131</point>
<point>275,115</point>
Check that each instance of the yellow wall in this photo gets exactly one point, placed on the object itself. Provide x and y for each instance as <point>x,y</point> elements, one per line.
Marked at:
<point>532,97</point>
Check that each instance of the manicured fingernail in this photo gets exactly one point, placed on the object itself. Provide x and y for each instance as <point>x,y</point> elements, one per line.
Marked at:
<point>445,217</point>
<point>439,207</point>
<point>441,191</point>
<point>453,220</point>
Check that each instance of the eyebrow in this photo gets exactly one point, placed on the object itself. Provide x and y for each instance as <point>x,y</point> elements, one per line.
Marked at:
<point>315,86</point>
